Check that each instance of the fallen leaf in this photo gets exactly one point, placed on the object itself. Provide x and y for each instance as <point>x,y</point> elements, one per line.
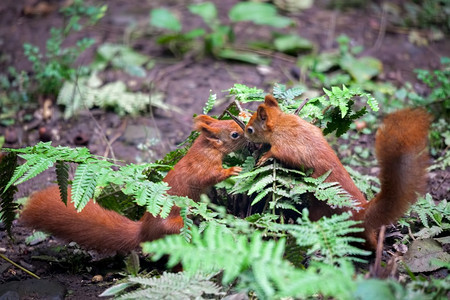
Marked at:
<point>421,253</point>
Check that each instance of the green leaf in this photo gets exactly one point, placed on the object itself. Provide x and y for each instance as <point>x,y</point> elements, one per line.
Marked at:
<point>8,206</point>
<point>210,103</point>
<point>116,289</point>
<point>361,69</point>
<point>36,237</point>
<point>163,18</point>
<point>247,57</point>
<point>258,13</point>
<point>83,186</point>
<point>375,289</point>
<point>245,94</point>
<point>62,176</point>
<point>292,43</point>
<point>206,10</point>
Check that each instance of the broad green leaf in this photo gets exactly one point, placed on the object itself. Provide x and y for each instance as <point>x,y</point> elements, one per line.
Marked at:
<point>116,289</point>
<point>292,43</point>
<point>164,18</point>
<point>258,13</point>
<point>361,69</point>
<point>375,289</point>
<point>36,238</point>
<point>206,10</point>
<point>248,57</point>
<point>326,61</point>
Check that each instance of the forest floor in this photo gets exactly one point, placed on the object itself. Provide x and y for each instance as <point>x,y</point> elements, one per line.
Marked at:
<point>186,83</point>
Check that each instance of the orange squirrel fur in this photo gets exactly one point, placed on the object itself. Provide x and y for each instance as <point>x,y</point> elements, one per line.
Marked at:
<point>400,148</point>
<point>107,231</point>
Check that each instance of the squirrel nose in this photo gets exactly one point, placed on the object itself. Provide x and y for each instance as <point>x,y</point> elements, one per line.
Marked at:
<point>250,130</point>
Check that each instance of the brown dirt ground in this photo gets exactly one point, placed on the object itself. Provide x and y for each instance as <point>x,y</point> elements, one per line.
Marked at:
<point>186,84</point>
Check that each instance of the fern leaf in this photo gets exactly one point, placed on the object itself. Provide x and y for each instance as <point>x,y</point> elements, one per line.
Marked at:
<point>83,186</point>
<point>18,172</point>
<point>261,184</point>
<point>260,196</point>
<point>62,177</point>
<point>248,164</point>
<point>187,224</point>
<point>255,172</point>
<point>287,96</point>
<point>245,94</point>
<point>330,236</point>
<point>173,286</point>
<point>210,103</point>
<point>7,205</point>
<point>154,195</point>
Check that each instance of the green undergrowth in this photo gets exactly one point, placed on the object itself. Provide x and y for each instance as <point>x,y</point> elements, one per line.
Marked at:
<point>272,250</point>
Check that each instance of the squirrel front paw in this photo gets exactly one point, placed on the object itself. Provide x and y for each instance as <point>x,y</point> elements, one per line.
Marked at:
<point>233,171</point>
<point>263,159</point>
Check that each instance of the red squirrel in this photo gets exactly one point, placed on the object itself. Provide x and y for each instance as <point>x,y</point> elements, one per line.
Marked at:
<point>401,143</point>
<point>107,231</point>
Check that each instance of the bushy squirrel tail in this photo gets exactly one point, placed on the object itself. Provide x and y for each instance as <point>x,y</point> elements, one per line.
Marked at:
<point>94,227</point>
<point>401,150</point>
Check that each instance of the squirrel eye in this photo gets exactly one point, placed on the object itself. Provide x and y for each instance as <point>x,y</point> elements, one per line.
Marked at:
<point>250,130</point>
<point>234,135</point>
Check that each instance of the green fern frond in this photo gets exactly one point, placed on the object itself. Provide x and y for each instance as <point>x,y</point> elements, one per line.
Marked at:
<point>248,164</point>
<point>84,183</point>
<point>62,177</point>
<point>245,94</point>
<point>261,184</point>
<point>287,96</point>
<point>341,124</point>
<point>255,172</point>
<point>154,195</point>
<point>42,156</point>
<point>426,209</point>
<point>331,236</point>
<point>261,195</point>
<point>170,286</point>
<point>367,184</point>
<point>7,205</point>
<point>37,168</point>
<point>18,172</point>
<point>216,249</point>
<point>210,103</point>
<point>187,225</point>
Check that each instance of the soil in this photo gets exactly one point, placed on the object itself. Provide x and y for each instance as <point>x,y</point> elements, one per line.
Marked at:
<point>186,84</point>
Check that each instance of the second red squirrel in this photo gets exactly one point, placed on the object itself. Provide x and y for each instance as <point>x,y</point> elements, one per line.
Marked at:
<point>400,148</point>
<point>107,231</point>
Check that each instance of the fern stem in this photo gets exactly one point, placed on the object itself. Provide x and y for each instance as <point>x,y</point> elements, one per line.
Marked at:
<point>18,266</point>
<point>274,185</point>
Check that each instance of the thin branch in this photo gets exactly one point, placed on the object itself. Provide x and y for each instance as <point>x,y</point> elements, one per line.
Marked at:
<point>20,267</point>
<point>297,111</point>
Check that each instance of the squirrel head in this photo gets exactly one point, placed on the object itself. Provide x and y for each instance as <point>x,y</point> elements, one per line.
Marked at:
<point>262,122</point>
<point>225,135</point>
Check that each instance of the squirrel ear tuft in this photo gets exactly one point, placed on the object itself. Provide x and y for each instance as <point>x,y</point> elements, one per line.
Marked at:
<point>207,130</point>
<point>270,101</point>
<point>205,119</point>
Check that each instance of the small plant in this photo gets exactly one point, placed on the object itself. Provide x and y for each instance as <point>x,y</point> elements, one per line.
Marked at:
<point>166,286</point>
<point>342,66</point>
<point>428,211</point>
<point>217,38</point>
<point>434,14</point>
<point>436,99</point>
<point>57,64</point>
<point>13,95</point>
<point>90,91</point>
